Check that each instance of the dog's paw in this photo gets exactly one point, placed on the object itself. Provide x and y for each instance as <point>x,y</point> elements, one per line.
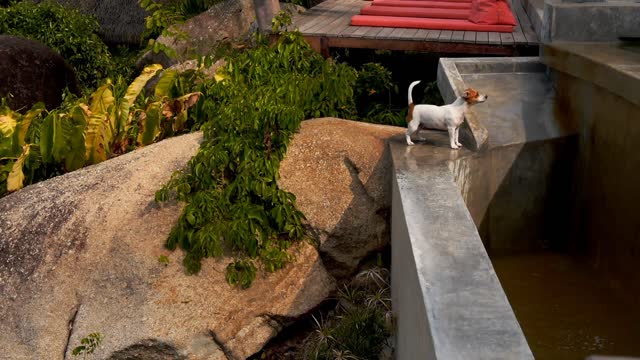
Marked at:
<point>455,147</point>
<point>409,143</point>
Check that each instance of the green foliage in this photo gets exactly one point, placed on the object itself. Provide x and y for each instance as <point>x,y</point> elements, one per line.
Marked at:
<point>361,323</point>
<point>374,89</point>
<point>164,260</point>
<point>124,59</point>
<point>432,95</point>
<point>88,345</point>
<point>72,34</point>
<point>113,120</point>
<point>162,15</point>
<point>241,272</point>
<point>248,119</point>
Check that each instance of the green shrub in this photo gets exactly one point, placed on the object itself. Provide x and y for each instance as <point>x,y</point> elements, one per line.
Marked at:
<point>67,31</point>
<point>115,119</point>
<point>359,326</point>
<point>248,119</point>
<point>164,14</point>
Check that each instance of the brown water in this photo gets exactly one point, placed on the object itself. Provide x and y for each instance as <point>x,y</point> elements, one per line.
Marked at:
<point>565,310</point>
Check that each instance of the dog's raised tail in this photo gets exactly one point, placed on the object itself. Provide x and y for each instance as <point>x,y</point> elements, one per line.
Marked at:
<point>411,89</point>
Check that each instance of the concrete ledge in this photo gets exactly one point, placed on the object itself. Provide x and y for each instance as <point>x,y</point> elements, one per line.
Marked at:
<point>447,297</point>
<point>612,66</point>
<point>590,21</point>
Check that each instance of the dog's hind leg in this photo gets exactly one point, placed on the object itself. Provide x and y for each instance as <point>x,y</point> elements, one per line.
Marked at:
<point>412,128</point>
<point>452,137</point>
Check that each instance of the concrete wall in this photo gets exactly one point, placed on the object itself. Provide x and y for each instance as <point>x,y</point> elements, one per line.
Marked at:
<point>446,296</point>
<point>589,21</point>
<point>520,195</point>
<point>607,216</point>
<point>598,85</point>
<point>413,337</point>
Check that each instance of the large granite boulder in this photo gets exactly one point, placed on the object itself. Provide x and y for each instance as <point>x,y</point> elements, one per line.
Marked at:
<point>121,21</point>
<point>80,254</point>
<point>340,172</point>
<point>31,72</point>
<point>225,22</point>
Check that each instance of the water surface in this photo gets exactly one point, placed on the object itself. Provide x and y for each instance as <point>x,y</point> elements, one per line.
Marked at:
<point>566,310</point>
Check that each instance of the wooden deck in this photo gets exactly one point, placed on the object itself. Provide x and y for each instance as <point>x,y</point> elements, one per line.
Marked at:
<point>327,25</point>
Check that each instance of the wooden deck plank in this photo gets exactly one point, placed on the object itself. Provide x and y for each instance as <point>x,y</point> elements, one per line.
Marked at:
<point>329,25</point>
<point>395,34</point>
<point>362,30</point>
<point>318,19</point>
<point>354,8</point>
<point>434,35</point>
<point>343,22</point>
<point>525,23</point>
<point>469,37</point>
<point>445,36</point>
<point>373,32</point>
<point>428,46</point>
<point>384,33</point>
<point>518,36</point>
<point>457,36</point>
<point>506,39</point>
<point>482,37</point>
<point>310,14</point>
<point>329,18</point>
<point>421,34</point>
<point>408,34</point>
<point>494,38</point>
<point>348,31</point>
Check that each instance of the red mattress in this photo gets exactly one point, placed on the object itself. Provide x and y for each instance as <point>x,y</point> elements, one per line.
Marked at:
<point>424,4</point>
<point>453,1</point>
<point>425,23</point>
<point>416,12</point>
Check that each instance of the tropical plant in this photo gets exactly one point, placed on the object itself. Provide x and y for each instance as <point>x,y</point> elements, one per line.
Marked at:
<point>83,132</point>
<point>358,328</point>
<point>233,199</point>
<point>72,34</point>
<point>88,345</point>
<point>164,14</point>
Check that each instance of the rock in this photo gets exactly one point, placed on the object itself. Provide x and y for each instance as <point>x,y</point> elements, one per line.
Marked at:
<point>292,9</point>
<point>225,22</point>
<point>121,21</point>
<point>79,254</point>
<point>193,65</point>
<point>31,72</point>
<point>340,172</point>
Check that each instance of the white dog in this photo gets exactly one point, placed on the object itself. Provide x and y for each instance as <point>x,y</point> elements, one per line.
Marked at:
<point>446,117</point>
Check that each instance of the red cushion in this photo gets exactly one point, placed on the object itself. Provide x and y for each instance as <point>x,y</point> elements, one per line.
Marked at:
<point>483,12</point>
<point>491,12</point>
<point>455,1</point>
<point>505,15</point>
<point>424,23</point>
<point>415,12</point>
<point>423,4</point>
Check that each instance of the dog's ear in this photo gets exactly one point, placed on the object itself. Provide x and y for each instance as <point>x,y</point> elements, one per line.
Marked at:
<point>466,94</point>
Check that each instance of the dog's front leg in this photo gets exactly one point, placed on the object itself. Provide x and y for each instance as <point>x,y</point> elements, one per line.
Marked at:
<point>457,136</point>
<point>452,137</point>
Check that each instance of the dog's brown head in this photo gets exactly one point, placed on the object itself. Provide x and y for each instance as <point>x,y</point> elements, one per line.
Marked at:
<point>472,96</point>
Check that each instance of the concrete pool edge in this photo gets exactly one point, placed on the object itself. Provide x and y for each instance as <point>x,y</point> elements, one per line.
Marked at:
<point>447,298</point>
